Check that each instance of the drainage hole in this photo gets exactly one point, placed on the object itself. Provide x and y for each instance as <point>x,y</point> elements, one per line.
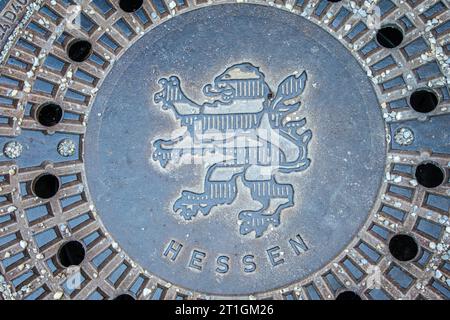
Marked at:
<point>45,186</point>
<point>71,254</point>
<point>348,295</point>
<point>389,36</point>
<point>403,247</point>
<point>130,5</point>
<point>124,297</point>
<point>79,50</point>
<point>49,114</point>
<point>429,175</point>
<point>423,101</point>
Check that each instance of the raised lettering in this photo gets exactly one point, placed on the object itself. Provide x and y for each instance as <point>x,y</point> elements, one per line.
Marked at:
<point>222,264</point>
<point>249,265</point>
<point>274,256</point>
<point>298,245</point>
<point>174,249</point>
<point>196,260</point>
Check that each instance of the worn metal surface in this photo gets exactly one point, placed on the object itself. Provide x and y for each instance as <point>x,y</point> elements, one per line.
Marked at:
<point>307,216</point>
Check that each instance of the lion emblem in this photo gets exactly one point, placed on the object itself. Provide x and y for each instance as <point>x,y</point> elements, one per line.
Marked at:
<point>251,129</point>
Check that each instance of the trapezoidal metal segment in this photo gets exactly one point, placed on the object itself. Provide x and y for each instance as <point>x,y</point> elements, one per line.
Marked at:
<point>123,173</point>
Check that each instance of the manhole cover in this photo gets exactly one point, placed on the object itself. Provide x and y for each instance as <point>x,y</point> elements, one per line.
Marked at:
<point>193,149</point>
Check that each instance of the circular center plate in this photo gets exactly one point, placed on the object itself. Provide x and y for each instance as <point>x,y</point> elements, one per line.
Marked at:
<point>225,153</point>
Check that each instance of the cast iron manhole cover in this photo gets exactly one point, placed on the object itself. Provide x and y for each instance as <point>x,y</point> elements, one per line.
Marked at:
<point>197,149</point>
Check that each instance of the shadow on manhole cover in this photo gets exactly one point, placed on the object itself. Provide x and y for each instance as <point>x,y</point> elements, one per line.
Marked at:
<point>191,150</point>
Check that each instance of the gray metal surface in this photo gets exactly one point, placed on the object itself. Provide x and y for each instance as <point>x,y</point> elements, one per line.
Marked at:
<point>307,214</point>
<point>331,197</point>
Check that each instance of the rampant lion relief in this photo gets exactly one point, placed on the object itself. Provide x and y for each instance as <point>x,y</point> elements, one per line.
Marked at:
<point>252,131</point>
